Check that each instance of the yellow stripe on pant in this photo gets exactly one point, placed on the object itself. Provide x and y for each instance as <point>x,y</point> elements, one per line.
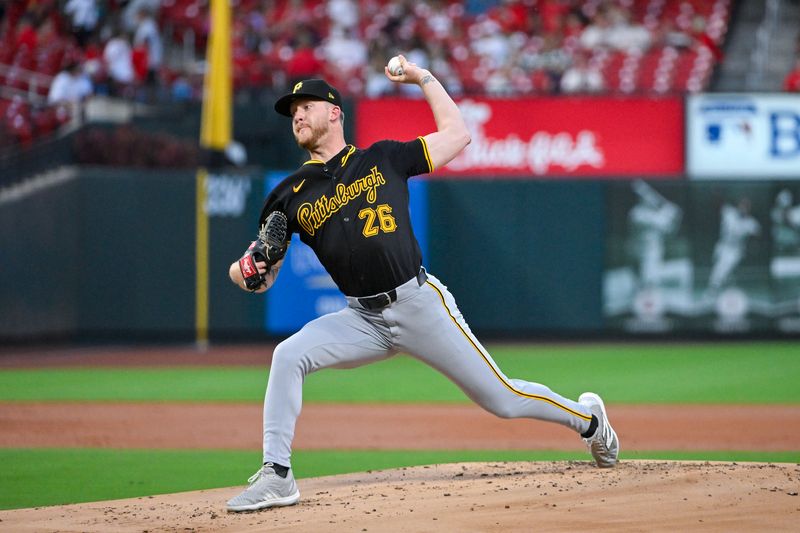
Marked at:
<point>494,370</point>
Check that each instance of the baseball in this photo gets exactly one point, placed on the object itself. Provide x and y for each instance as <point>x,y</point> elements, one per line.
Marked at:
<point>394,66</point>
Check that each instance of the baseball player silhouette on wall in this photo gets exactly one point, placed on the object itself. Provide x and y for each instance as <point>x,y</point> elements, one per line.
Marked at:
<point>350,206</point>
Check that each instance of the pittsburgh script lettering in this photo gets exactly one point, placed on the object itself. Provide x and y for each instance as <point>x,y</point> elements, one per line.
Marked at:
<point>312,216</point>
<point>539,153</point>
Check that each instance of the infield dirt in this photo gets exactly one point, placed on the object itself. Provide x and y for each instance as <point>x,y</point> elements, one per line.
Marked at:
<point>485,497</point>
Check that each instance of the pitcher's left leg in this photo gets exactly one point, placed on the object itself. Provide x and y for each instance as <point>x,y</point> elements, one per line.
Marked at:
<point>432,329</point>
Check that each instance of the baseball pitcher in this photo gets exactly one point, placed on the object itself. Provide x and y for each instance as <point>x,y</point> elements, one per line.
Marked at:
<point>350,205</point>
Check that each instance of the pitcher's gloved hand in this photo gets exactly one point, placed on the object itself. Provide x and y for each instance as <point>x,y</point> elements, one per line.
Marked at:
<point>268,248</point>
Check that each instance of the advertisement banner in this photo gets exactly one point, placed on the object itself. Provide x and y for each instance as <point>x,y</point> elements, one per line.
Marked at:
<point>710,257</point>
<point>553,137</point>
<point>743,136</point>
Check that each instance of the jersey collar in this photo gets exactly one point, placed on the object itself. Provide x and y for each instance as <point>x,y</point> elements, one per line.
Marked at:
<point>339,160</point>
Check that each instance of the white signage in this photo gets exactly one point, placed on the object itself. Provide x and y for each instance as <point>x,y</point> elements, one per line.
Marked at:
<point>743,136</point>
<point>226,196</point>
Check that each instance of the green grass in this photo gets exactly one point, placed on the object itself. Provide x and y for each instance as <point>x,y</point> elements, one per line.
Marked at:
<point>134,384</point>
<point>746,372</point>
<point>38,477</point>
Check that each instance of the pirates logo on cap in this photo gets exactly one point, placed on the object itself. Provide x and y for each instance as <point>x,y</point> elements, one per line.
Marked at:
<point>318,89</point>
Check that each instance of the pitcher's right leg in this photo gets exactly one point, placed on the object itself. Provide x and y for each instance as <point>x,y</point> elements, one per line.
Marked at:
<point>341,339</point>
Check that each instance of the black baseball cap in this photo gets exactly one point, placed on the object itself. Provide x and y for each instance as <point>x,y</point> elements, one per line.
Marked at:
<point>315,88</point>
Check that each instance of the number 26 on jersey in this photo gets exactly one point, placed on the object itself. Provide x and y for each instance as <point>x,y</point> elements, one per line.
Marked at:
<point>377,220</point>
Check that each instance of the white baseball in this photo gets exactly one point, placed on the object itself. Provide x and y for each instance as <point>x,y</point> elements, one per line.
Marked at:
<point>395,68</point>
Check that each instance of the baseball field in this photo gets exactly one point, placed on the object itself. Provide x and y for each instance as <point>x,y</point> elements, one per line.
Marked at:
<point>158,438</point>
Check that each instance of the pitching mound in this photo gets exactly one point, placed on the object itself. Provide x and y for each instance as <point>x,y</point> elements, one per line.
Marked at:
<point>562,496</point>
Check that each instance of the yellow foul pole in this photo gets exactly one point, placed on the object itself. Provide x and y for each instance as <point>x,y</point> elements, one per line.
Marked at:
<point>215,134</point>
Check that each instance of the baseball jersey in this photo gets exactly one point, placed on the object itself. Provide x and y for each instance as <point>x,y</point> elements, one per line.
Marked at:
<point>353,212</point>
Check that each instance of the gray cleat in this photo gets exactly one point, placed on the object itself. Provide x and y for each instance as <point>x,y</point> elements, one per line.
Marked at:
<point>604,444</point>
<point>267,489</point>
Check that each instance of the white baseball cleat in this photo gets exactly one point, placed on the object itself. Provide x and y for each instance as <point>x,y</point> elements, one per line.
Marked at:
<point>604,444</point>
<point>267,489</point>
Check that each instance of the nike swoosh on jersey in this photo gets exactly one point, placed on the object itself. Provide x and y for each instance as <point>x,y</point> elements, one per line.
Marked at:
<point>296,188</point>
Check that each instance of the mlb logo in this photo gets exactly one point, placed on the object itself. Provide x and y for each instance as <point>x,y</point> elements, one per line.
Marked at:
<point>713,132</point>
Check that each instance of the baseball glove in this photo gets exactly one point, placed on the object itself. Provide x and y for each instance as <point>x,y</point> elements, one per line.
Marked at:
<point>269,247</point>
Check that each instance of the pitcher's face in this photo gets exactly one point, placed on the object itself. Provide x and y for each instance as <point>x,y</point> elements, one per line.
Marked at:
<point>310,122</point>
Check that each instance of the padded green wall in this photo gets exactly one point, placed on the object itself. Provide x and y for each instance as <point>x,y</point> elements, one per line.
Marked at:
<point>520,256</point>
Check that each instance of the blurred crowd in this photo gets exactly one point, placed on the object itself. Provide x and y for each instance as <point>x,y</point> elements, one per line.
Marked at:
<point>478,47</point>
<point>81,47</point>
<point>495,47</point>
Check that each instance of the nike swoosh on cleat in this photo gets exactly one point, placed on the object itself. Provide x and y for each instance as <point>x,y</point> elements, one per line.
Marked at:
<point>297,187</point>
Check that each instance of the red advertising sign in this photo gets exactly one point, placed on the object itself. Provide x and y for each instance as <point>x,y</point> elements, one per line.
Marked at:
<point>575,137</point>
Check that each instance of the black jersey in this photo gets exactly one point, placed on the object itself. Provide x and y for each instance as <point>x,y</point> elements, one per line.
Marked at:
<point>353,212</point>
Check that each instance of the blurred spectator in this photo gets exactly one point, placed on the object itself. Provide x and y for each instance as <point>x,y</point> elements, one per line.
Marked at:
<point>489,42</point>
<point>252,31</point>
<point>147,36</point>
<point>574,23</point>
<point>181,89</point>
<point>304,63</point>
<point>792,81</point>
<point>668,34</point>
<point>442,66</point>
<point>415,52</point>
<point>84,15</point>
<point>93,64</point>
<point>26,36</point>
<point>624,34</point>
<point>499,82</point>
<point>439,19</point>
<point>596,34</point>
<point>511,15</point>
<point>581,77</point>
<point>343,51</point>
<point>702,38</point>
<point>550,58</point>
<point>70,85</point>
<point>553,12</point>
<point>118,60</point>
<point>343,13</point>
<point>376,83</point>
<point>130,13</point>
<point>613,28</point>
<point>48,34</point>
<point>292,14</point>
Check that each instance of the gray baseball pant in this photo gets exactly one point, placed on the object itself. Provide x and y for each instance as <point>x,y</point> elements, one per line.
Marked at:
<point>424,322</point>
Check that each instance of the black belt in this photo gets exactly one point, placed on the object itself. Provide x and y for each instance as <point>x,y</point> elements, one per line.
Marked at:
<point>379,301</point>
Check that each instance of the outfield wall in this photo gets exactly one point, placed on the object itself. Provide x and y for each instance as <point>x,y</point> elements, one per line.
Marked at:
<point>110,255</point>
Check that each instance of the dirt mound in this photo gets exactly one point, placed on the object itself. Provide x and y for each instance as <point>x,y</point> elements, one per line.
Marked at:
<point>523,496</point>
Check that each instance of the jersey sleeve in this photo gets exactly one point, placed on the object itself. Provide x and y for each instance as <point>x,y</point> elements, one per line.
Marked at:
<point>408,158</point>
